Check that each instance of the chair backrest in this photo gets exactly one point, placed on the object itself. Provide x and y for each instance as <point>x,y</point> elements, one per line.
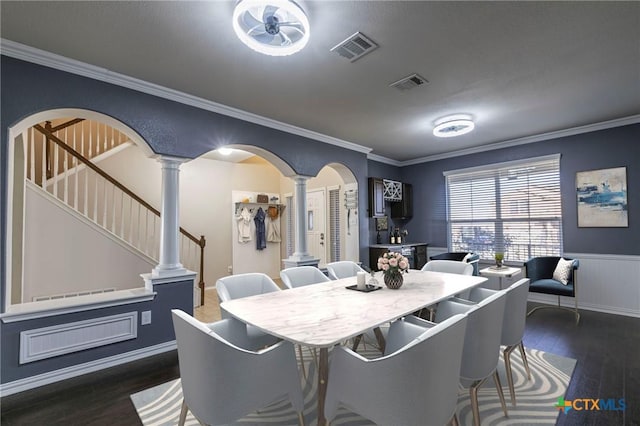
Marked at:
<point>299,276</point>
<point>219,380</point>
<point>483,336</point>
<point>430,388</point>
<point>450,266</point>
<point>244,285</point>
<point>463,256</point>
<point>542,267</point>
<point>343,269</point>
<point>515,312</point>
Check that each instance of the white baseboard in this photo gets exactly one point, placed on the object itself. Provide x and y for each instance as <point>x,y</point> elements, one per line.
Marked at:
<point>80,369</point>
<point>568,302</point>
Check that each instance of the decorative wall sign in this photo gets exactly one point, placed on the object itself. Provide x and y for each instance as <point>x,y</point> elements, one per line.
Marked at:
<point>602,198</point>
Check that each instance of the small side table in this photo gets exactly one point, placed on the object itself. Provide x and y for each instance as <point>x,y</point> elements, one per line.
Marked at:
<point>504,272</point>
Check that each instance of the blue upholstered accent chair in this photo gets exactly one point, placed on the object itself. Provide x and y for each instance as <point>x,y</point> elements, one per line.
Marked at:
<point>474,259</point>
<point>540,271</point>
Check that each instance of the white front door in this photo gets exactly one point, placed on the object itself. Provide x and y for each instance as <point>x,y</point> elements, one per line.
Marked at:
<point>316,225</point>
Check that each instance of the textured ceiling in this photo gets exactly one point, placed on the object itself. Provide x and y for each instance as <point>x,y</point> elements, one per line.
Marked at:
<point>519,68</point>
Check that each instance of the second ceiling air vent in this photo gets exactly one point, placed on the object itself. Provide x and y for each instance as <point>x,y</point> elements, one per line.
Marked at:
<point>355,47</point>
<point>409,82</point>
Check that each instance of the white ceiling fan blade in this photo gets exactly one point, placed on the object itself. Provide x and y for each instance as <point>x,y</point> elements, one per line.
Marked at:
<point>286,41</point>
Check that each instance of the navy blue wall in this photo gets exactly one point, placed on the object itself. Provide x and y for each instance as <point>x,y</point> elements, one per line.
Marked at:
<point>169,128</point>
<point>179,130</point>
<point>178,295</point>
<point>602,149</point>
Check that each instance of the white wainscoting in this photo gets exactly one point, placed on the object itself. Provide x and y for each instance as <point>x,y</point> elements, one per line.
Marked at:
<point>47,342</point>
<point>607,283</point>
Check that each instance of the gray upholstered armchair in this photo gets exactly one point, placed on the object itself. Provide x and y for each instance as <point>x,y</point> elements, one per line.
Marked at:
<point>540,271</point>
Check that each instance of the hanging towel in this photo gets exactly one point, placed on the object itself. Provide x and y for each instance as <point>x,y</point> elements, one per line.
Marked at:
<point>261,240</point>
<point>273,230</point>
<point>244,226</point>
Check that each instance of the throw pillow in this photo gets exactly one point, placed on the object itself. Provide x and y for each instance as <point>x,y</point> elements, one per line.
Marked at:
<point>563,271</point>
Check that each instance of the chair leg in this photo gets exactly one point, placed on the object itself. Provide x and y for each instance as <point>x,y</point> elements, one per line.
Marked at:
<point>356,342</point>
<point>300,419</point>
<point>304,374</point>
<point>524,359</point>
<point>183,413</point>
<point>473,393</point>
<point>507,367</point>
<point>454,420</point>
<point>496,379</point>
<point>576,311</point>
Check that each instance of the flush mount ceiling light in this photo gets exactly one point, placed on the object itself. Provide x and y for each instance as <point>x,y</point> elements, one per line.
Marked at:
<point>454,125</point>
<point>225,151</point>
<point>271,27</point>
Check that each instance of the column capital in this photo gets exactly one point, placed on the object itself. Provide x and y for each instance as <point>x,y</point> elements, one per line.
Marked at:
<point>300,178</point>
<point>171,162</point>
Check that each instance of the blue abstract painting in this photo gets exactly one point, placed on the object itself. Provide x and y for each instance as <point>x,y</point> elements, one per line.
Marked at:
<point>602,198</point>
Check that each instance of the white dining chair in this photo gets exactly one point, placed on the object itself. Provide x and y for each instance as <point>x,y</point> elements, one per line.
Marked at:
<point>343,269</point>
<point>222,382</point>
<point>299,276</point>
<point>400,388</point>
<point>244,285</point>
<point>481,343</point>
<point>513,324</point>
<point>449,266</point>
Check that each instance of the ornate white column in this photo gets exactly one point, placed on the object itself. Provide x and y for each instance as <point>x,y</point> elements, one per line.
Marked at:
<point>170,220</point>
<point>301,254</point>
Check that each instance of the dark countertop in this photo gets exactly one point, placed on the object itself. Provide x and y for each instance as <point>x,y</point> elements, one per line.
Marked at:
<point>389,245</point>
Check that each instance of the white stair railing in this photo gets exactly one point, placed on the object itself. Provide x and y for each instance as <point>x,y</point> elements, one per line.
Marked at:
<point>62,170</point>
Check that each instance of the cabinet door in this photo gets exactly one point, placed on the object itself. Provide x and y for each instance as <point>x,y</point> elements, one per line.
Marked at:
<point>376,197</point>
<point>403,209</point>
<point>374,254</point>
<point>421,256</point>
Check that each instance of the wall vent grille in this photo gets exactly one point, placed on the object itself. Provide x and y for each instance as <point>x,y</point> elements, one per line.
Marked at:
<point>355,47</point>
<point>72,294</point>
<point>409,82</point>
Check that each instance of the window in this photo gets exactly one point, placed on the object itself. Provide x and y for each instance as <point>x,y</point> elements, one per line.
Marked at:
<point>513,208</point>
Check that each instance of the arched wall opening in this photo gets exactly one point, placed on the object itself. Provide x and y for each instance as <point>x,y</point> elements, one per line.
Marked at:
<point>54,211</point>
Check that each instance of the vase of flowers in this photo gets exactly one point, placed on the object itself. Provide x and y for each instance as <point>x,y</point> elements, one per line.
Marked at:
<point>393,265</point>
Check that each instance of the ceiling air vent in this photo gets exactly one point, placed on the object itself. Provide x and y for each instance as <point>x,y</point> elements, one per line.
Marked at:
<point>409,82</point>
<point>355,47</point>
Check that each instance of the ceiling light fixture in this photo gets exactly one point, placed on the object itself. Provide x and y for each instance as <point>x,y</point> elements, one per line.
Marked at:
<point>271,27</point>
<point>225,151</point>
<point>454,125</point>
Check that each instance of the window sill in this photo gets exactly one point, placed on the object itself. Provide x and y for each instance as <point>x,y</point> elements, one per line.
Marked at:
<point>48,308</point>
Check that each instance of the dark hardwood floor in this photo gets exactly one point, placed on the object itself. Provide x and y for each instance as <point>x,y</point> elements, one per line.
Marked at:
<point>606,347</point>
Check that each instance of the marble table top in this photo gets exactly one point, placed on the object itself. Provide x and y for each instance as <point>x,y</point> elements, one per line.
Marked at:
<point>325,314</point>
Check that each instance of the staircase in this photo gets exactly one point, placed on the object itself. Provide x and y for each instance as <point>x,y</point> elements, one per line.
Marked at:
<point>61,159</point>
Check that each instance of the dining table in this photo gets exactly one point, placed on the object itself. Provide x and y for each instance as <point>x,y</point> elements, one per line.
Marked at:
<point>327,314</point>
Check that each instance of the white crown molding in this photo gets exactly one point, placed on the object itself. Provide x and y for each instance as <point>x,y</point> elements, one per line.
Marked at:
<point>618,122</point>
<point>52,60</point>
<point>381,159</point>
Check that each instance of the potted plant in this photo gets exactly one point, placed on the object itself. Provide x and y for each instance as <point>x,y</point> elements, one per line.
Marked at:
<point>499,258</point>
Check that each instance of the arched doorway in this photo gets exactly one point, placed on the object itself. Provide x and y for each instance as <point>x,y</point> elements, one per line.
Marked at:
<point>70,228</point>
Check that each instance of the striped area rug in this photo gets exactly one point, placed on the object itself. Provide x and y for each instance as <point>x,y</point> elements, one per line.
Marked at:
<point>160,405</point>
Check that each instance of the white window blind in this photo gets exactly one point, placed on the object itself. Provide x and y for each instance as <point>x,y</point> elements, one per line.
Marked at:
<point>513,208</point>
<point>334,225</point>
